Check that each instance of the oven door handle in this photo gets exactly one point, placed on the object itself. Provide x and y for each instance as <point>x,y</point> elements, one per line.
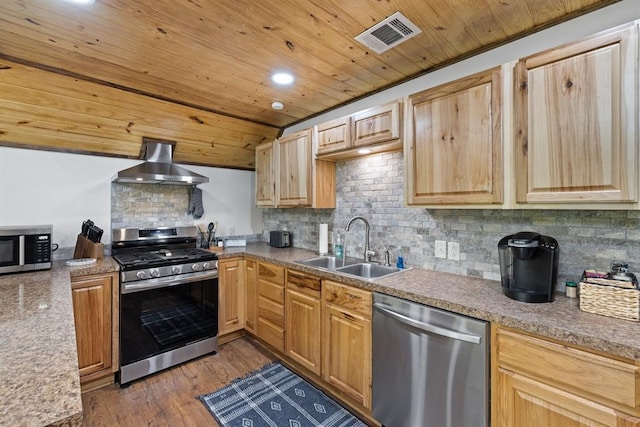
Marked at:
<point>163,282</point>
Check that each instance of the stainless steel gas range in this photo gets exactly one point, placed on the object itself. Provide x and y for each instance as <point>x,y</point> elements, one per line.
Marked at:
<point>168,299</point>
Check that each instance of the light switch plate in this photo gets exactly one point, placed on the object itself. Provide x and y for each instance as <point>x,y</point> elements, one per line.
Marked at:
<point>441,249</point>
<point>453,251</point>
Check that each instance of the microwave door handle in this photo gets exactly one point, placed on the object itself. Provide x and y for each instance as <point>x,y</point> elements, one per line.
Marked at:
<point>21,250</point>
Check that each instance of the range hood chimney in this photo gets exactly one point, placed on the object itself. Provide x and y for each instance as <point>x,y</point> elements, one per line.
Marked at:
<point>158,168</point>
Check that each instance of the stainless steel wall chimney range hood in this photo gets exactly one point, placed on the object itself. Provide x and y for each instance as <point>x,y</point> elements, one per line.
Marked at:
<point>158,168</point>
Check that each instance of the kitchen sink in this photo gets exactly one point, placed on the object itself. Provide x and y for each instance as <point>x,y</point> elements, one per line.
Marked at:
<point>352,266</point>
<point>368,270</point>
<point>328,262</point>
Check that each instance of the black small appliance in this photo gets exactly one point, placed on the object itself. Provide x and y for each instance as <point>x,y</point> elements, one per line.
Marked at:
<point>280,239</point>
<point>529,266</point>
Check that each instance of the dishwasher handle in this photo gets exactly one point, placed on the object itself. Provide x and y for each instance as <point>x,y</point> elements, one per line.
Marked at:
<point>426,327</point>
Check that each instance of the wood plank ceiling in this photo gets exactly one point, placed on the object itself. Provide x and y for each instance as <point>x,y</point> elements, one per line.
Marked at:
<point>217,56</point>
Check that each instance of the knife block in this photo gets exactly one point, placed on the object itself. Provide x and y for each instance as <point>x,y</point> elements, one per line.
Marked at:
<point>85,248</point>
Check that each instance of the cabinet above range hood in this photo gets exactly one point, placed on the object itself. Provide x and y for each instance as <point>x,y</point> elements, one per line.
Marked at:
<point>158,167</point>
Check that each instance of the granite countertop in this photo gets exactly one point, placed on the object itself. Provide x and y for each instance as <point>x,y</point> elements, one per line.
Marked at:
<point>483,299</point>
<point>39,380</point>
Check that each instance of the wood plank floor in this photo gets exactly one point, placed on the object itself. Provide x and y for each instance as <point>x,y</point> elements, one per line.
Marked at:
<point>168,398</point>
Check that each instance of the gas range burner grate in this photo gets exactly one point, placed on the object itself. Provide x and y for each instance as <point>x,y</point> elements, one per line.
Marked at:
<point>163,257</point>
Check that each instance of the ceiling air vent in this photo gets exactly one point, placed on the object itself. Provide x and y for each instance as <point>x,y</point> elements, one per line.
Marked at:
<point>388,33</point>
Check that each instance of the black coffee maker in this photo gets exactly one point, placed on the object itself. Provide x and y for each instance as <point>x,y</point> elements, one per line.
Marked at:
<point>529,266</point>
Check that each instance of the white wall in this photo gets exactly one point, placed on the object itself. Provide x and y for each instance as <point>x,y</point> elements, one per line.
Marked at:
<point>600,20</point>
<point>41,187</point>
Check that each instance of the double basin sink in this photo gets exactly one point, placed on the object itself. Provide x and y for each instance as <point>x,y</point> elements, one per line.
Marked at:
<point>350,266</point>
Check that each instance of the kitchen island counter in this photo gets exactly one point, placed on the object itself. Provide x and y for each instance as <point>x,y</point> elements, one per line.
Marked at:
<point>483,299</point>
<point>39,379</point>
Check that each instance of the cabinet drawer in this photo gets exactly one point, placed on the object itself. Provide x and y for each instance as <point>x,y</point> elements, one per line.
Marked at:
<point>304,283</point>
<point>271,311</point>
<point>569,368</point>
<point>271,273</point>
<point>271,291</point>
<point>271,334</point>
<point>348,297</point>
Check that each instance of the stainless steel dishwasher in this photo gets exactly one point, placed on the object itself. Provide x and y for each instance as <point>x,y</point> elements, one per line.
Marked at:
<point>430,366</point>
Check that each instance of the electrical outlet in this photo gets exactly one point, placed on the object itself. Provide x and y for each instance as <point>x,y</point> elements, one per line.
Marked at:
<point>441,249</point>
<point>453,251</point>
<point>330,238</point>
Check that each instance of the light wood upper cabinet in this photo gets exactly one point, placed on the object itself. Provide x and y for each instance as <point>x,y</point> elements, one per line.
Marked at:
<point>231,296</point>
<point>265,175</point>
<point>453,147</point>
<point>576,118</point>
<point>288,175</point>
<point>377,124</point>
<point>95,309</point>
<point>294,169</point>
<point>537,382</point>
<point>334,135</point>
<point>302,313</point>
<point>378,129</point>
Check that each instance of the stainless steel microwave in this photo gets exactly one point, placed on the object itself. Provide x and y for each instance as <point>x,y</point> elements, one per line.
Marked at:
<point>25,248</point>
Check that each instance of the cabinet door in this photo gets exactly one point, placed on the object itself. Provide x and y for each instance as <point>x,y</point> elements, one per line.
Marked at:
<point>576,118</point>
<point>334,135</point>
<point>525,402</point>
<point>294,169</point>
<point>302,315</point>
<point>230,295</point>
<point>265,175</point>
<point>303,328</point>
<point>377,124</point>
<point>347,353</point>
<point>454,147</point>
<point>251,292</point>
<point>92,309</point>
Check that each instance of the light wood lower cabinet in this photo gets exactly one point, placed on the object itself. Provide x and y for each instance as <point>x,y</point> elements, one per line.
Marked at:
<point>271,305</point>
<point>302,310</point>
<point>251,293</point>
<point>95,309</point>
<point>346,338</point>
<point>537,382</point>
<point>231,297</point>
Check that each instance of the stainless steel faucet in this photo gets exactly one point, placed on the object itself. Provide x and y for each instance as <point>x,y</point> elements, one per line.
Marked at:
<point>368,253</point>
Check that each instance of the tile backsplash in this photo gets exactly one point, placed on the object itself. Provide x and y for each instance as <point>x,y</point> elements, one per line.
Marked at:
<point>149,205</point>
<point>373,187</point>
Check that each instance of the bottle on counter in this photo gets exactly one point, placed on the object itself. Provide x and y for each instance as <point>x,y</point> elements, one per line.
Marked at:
<point>400,258</point>
<point>338,249</point>
<point>571,289</point>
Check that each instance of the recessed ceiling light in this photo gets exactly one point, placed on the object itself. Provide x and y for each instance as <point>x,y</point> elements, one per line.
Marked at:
<point>277,105</point>
<point>282,78</point>
<point>364,151</point>
<point>82,1</point>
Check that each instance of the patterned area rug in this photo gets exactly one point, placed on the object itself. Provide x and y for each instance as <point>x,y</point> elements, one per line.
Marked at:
<point>275,396</point>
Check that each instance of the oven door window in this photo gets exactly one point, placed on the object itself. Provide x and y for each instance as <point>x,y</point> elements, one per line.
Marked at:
<point>9,251</point>
<point>158,320</point>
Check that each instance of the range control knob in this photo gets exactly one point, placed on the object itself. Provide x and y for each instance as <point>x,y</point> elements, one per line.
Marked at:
<point>154,272</point>
<point>196,267</point>
<point>175,270</point>
<point>141,274</point>
<point>206,266</point>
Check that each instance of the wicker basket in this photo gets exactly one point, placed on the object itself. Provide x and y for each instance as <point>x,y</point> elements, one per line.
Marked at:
<point>610,301</point>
